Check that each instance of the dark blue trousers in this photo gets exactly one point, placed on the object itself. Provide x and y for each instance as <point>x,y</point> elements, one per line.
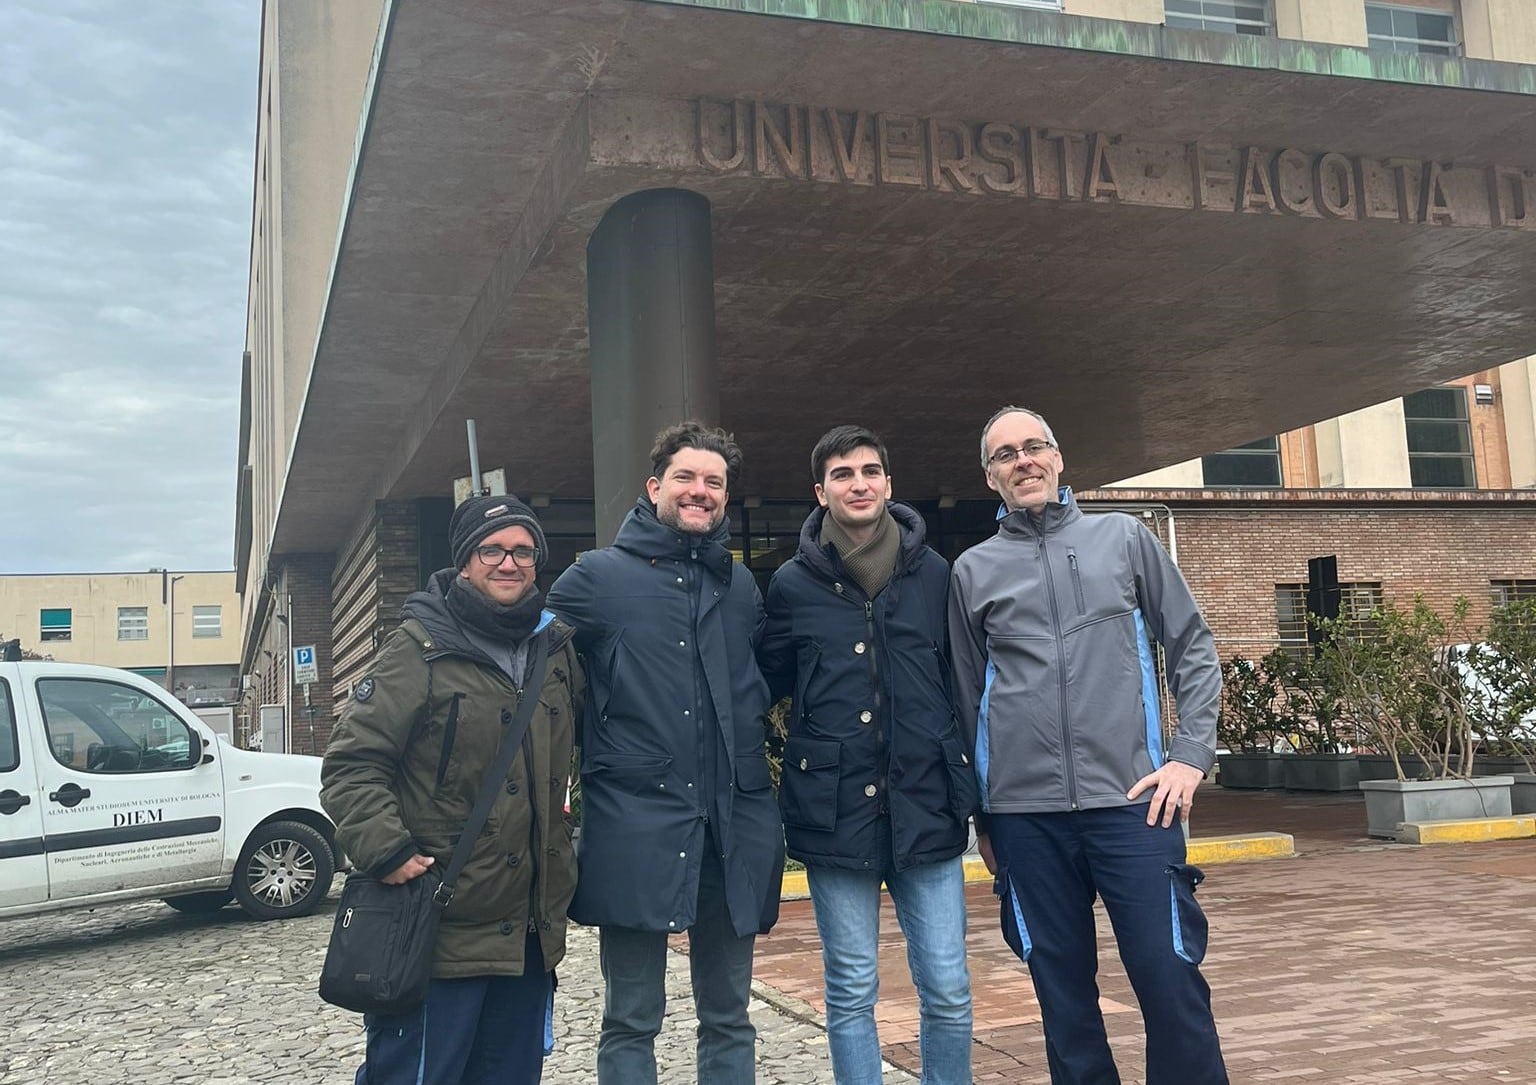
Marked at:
<point>483,1030</point>
<point>1051,867</point>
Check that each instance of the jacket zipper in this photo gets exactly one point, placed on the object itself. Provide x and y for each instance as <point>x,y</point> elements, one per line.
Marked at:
<point>1061,671</point>
<point>882,754</point>
<point>533,831</point>
<point>450,731</point>
<point>699,738</point>
<point>1077,581</point>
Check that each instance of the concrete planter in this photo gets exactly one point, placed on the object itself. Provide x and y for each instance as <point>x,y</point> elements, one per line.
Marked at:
<point>1322,772</point>
<point>1522,795</point>
<point>1499,766</point>
<point>1252,770</point>
<point>1378,766</point>
<point>1388,803</point>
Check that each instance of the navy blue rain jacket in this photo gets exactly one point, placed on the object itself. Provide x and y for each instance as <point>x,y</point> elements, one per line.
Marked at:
<point>875,769</point>
<point>666,623</point>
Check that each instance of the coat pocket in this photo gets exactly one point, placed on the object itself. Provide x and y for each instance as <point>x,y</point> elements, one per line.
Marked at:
<point>808,786</point>
<point>964,790</point>
<point>1190,929</point>
<point>636,773</point>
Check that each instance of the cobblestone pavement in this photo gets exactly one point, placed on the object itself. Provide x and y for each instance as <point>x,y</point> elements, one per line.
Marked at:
<point>1359,962</point>
<point>140,993</point>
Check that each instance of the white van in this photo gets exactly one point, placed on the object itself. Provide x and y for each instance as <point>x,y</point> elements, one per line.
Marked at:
<point>111,790</point>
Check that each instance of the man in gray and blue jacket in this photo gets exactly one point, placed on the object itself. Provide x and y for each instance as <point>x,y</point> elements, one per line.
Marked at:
<point>1051,626</point>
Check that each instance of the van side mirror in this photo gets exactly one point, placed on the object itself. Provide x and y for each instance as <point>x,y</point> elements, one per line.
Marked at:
<point>207,759</point>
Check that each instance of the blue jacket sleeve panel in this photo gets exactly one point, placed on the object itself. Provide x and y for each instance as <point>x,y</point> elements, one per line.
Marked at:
<point>1194,668</point>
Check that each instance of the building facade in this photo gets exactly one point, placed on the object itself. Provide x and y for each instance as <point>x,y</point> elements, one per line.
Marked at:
<point>1243,254</point>
<point>179,628</point>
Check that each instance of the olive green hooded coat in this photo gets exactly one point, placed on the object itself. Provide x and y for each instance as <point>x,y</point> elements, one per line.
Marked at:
<point>405,765</point>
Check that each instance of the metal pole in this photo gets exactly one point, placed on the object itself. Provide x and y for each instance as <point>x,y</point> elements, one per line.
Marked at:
<point>170,665</point>
<point>475,479</point>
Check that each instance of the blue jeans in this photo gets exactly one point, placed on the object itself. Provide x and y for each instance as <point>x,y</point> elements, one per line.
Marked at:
<point>482,1030</point>
<point>930,906</point>
<point>1051,866</point>
<point>634,965</point>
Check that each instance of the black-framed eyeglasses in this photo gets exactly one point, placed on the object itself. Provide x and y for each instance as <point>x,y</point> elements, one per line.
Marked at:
<point>524,557</point>
<point>1009,453</point>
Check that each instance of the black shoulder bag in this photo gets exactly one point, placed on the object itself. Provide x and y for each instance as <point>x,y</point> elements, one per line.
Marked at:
<point>380,956</point>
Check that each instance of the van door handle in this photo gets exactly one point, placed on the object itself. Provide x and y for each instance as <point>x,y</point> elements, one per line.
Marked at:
<point>69,794</point>
<point>12,801</point>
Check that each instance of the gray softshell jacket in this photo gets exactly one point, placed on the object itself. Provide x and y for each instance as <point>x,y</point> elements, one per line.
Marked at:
<point>1051,623</point>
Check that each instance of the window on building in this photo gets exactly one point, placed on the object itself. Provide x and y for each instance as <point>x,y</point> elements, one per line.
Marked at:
<point>57,623</point>
<point>1256,463</point>
<point>1403,29</point>
<point>132,623</point>
<point>1227,16</point>
<point>207,621</point>
<point>1291,617</point>
<point>1511,591</point>
<point>1439,439</point>
<point>1043,5</point>
<point>1358,601</point>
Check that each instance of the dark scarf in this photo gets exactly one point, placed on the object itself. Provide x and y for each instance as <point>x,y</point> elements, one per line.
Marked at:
<point>872,564</point>
<point>508,624</point>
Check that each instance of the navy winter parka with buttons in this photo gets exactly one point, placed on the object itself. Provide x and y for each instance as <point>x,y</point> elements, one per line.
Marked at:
<point>875,769</point>
<point>672,749</point>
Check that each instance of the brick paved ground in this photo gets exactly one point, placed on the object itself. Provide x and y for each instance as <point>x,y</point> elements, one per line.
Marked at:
<point>1357,962</point>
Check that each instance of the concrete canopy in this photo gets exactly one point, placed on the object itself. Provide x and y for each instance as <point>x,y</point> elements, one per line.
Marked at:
<point>912,226</point>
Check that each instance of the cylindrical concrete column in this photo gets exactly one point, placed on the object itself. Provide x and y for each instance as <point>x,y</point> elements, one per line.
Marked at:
<point>651,328</point>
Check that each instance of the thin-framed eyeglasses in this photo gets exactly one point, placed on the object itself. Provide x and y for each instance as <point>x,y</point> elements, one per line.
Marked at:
<point>1009,453</point>
<point>524,557</point>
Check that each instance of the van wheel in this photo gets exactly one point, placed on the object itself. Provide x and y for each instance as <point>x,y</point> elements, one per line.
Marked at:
<point>201,903</point>
<point>285,870</point>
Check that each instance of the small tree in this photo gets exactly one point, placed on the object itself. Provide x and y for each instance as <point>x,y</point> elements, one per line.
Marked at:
<point>1254,716</point>
<point>1401,691</point>
<point>1505,667</point>
<point>776,733</point>
<point>1313,713</point>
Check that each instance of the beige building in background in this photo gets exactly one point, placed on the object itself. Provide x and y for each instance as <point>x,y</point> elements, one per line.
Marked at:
<point>127,619</point>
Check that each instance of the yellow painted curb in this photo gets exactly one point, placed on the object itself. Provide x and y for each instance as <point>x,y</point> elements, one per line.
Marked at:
<point>795,886</point>
<point>1466,832</point>
<point>1206,850</point>
<point>1202,851</point>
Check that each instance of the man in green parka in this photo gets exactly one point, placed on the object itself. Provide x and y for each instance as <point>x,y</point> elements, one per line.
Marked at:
<point>403,770</point>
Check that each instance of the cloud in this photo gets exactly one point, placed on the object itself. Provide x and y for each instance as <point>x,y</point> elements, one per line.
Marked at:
<point>126,141</point>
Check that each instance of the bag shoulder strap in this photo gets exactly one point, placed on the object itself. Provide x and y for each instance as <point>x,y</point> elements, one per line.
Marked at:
<point>495,776</point>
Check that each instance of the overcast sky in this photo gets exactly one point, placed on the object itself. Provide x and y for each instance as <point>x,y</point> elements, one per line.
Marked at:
<point>126,138</point>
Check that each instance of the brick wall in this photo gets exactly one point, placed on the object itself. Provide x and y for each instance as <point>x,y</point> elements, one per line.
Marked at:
<point>1234,549</point>
<point>295,610</point>
<point>307,583</point>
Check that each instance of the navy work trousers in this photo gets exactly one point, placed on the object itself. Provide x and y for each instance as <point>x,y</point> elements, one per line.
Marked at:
<point>482,1030</point>
<point>1051,866</point>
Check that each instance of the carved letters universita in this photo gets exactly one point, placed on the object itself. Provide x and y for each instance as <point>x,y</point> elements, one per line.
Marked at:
<point>816,143</point>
